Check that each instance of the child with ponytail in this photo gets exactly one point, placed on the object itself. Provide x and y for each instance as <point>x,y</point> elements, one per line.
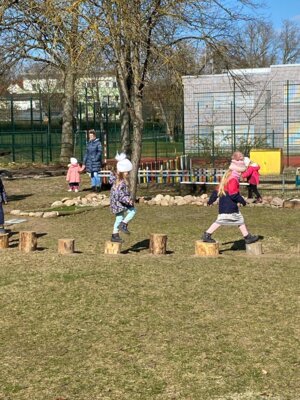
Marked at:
<point>229,199</point>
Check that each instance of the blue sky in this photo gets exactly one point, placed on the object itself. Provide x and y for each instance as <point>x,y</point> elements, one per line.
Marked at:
<point>278,10</point>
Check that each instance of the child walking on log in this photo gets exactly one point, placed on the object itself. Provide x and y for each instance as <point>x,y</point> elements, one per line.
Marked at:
<point>229,199</point>
<point>3,199</point>
<point>121,202</point>
<point>252,176</point>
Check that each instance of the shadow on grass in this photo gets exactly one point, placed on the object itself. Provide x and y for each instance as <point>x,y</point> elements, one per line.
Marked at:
<point>237,245</point>
<point>18,197</point>
<point>140,246</point>
<point>15,241</point>
<point>137,247</point>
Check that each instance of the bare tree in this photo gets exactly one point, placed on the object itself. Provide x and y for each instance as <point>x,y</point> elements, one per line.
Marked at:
<point>140,31</point>
<point>289,42</point>
<point>54,33</point>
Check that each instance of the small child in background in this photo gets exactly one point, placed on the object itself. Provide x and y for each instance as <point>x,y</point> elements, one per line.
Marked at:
<point>3,199</point>
<point>252,176</point>
<point>121,203</point>
<point>73,175</point>
<point>229,200</point>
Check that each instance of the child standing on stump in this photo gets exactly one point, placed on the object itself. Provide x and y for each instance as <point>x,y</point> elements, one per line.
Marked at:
<point>229,198</point>
<point>121,203</point>
<point>73,175</point>
<point>252,176</point>
<point>3,199</point>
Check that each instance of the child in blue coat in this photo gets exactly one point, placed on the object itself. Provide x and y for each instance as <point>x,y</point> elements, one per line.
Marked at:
<point>3,199</point>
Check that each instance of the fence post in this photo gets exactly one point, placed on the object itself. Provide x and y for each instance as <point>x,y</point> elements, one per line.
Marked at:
<point>234,121</point>
<point>12,128</point>
<point>287,121</point>
<point>31,127</point>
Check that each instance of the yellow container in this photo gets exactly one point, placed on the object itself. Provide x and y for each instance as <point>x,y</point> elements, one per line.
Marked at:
<point>270,160</point>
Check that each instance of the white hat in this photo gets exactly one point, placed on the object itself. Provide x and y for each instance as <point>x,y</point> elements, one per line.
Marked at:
<point>247,161</point>
<point>73,160</point>
<point>123,164</point>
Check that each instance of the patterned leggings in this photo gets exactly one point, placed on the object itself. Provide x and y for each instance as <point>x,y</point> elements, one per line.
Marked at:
<point>120,217</point>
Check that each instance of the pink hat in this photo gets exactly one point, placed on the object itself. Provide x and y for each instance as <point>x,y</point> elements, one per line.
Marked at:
<point>238,166</point>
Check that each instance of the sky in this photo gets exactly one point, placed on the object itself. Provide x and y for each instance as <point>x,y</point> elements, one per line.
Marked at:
<point>277,10</point>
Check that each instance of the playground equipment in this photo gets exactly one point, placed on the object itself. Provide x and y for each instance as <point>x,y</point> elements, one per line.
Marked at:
<point>158,243</point>
<point>66,246</point>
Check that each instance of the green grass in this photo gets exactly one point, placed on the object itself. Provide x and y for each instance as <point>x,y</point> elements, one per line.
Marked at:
<point>136,326</point>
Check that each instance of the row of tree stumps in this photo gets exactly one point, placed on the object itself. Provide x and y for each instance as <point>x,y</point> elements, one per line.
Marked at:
<point>157,245</point>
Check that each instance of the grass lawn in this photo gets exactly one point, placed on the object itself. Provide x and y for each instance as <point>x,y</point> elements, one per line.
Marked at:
<point>134,326</point>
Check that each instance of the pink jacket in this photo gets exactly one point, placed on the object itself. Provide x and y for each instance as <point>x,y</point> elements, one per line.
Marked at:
<point>73,173</point>
<point>252,174</point>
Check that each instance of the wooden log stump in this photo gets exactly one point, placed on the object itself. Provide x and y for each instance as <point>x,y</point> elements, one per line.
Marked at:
<point>254,249</point>
<point>205,249</point>
<point>112,247</point>
<point>66,246</point>
<point>158,243</point>
<point>3,240</point>
<point>27,241</point>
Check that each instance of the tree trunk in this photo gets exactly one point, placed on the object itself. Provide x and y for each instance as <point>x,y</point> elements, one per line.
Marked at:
<point>67,142</point>
<point>124,113</point>
<point>137,122</point>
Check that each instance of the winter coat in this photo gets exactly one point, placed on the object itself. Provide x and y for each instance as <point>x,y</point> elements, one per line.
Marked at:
<point>120,199</point>
<point>3,196</point>
<point>252,174</point>
<point>73,174</point>
<point>228,203</point>
<point>93,156</point>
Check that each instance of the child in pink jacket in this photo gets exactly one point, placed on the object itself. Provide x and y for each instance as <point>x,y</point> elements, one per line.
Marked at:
<point>252,176</point>
<point>73,175</point>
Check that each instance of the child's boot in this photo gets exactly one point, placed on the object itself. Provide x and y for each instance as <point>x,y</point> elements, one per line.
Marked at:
<point>115,237</point>
<point>207,238</point>
<point>251,238</point>
<point>124,228</point>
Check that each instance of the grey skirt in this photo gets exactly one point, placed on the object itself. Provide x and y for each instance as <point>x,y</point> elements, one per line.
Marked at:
<point>230,219</point>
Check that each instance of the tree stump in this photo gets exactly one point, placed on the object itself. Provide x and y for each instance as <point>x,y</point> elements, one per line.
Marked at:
<point>205,249</point>
<point>66,246</point>
<point>3,240</point>
<point>27,241</point>
<point>158,243</point>
<point>254,249</point>
<point>112,247</point>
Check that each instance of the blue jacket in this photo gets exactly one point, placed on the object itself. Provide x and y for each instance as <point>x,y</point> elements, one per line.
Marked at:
<point>93,156</point>
<point>228,204</point>
<point>3,197</point>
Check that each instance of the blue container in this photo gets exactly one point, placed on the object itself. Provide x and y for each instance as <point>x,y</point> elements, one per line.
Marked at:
<point>298,177</point>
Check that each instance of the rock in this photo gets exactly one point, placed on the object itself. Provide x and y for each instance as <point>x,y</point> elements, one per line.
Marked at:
<point>50,214</point>
<point>164,202</point>
<point>69,203</point>
<point>57,204</point>
<point>15,212</point>
<point>38,214</point>
<point>158,197</point>
<point>105,202</point>
<point>277,202</point>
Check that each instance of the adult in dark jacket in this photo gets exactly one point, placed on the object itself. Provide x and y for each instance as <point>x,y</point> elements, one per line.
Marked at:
<point>93,159</point>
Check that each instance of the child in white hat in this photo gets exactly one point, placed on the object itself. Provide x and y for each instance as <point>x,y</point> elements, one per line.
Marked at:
<point>252,176</point>
<point>73,175</point>
<point>121,202</point>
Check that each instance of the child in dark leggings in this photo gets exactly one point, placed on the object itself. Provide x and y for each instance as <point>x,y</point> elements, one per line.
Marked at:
<point>252,176</point>
<point>3,199</point>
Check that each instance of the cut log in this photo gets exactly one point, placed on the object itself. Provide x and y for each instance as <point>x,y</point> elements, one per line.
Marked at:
<point>205,249</point>
<point>288,204</point>
<point>3,240</point>
<point>66,246</point>
<point>158,243</point>
<point>254,249</point>
<point>27,241</point>
<point>112,247</point>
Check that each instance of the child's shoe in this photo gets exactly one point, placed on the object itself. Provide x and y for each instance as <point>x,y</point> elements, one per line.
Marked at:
<point>2,230</point>
<point>207,238</point>
<point>75,190</point>
<point>115,237</point>
<point>251,238</point>
<point>70,190</point>
<point>124,228</point>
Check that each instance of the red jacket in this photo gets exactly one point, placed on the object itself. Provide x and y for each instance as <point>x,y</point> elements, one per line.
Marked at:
<point>252,174</point>
<point>73,175</point>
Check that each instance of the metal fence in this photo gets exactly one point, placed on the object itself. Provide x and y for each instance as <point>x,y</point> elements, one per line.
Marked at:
<point>222,115</point>
<point>266,115</point>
